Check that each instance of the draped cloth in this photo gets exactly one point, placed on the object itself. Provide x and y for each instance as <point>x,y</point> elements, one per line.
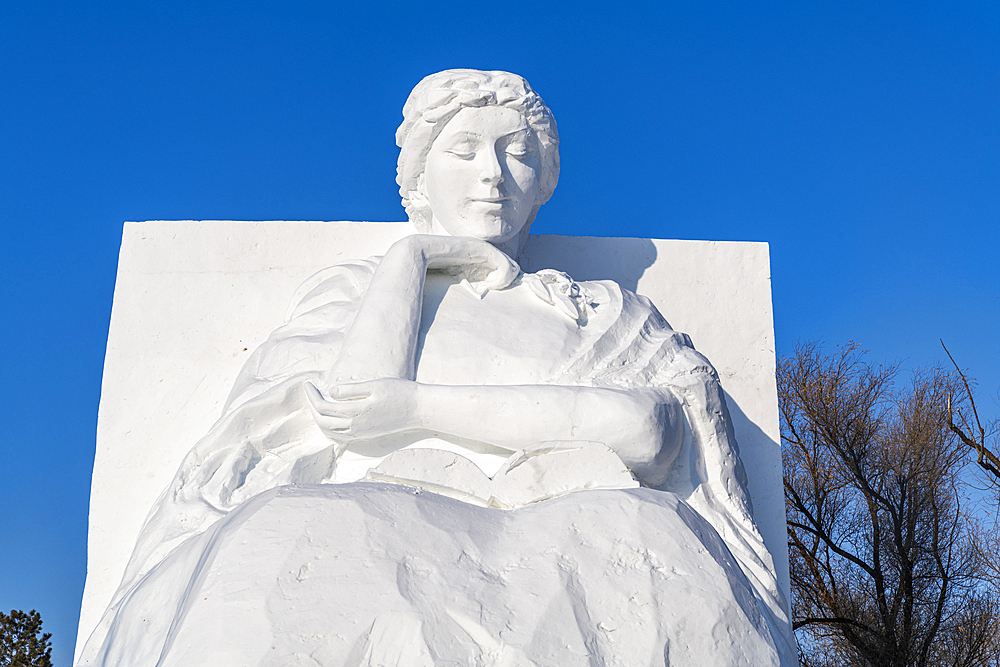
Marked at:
<point>267,437</point>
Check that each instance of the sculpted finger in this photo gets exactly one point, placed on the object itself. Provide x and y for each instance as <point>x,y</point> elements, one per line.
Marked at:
<point>503,275</point>
<point>354,391</point>
<point>333,424</point>
<point>477,289</point>
<point>315,396</point>
<point>323,407</point>
<point>342,409</point>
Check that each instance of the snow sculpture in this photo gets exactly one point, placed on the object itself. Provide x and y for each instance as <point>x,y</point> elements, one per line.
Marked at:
<point>438,459</point>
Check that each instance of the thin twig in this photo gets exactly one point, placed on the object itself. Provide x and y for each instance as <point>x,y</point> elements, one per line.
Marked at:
<point>987,459</point>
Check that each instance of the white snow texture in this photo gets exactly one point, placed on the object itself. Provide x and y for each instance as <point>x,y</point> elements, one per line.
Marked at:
<point>376,575</point>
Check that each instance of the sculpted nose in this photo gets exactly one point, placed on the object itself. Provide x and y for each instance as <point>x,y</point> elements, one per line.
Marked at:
<point>490,170</point>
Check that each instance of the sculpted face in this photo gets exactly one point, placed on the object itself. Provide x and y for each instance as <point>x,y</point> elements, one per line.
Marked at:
<point>482,174</point>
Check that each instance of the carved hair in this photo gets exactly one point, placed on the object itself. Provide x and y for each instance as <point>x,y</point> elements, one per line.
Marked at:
<point>436,99</point>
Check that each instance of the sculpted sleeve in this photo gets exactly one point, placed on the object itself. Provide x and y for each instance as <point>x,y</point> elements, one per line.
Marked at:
<point>267,436</point>
<point>319,315</point>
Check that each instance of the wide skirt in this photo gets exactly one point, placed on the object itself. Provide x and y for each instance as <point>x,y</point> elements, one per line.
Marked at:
<point>370,574</point>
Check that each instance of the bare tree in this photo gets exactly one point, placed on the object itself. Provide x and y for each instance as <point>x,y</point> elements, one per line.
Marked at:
<point>983,441</point>
<point>886,568</point>
<point>970,429</point>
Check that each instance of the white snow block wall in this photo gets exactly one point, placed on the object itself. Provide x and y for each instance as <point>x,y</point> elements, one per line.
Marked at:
<point>194,299</point>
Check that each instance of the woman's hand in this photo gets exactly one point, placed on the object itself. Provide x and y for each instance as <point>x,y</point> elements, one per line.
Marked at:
<point>366,410</point>
<point>483,265</point>
<point>382,341</point>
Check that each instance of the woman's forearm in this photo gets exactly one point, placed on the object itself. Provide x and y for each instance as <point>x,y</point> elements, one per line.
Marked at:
<point>645,427</point>
<point>382,341</point>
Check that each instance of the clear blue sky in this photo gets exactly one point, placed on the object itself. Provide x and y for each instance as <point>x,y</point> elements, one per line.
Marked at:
<point>861,140</point>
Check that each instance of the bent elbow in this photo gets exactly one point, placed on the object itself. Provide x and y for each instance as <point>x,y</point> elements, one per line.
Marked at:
<point>658,442</point>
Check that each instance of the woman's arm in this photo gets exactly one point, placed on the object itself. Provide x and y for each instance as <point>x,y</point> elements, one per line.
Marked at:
<point>644,427</point>
<point>382,341</point>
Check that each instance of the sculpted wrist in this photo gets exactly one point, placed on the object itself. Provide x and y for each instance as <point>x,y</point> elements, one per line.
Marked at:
<point>425,397</point>
<point>412,248</point>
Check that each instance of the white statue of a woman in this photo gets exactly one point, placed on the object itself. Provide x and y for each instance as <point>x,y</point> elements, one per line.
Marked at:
<point>442,366</point>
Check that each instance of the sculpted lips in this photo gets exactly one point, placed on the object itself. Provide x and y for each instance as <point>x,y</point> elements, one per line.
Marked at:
<point>491,199</point>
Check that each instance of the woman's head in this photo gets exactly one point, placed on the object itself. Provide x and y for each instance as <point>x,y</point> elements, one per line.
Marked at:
<point>479,154</point>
